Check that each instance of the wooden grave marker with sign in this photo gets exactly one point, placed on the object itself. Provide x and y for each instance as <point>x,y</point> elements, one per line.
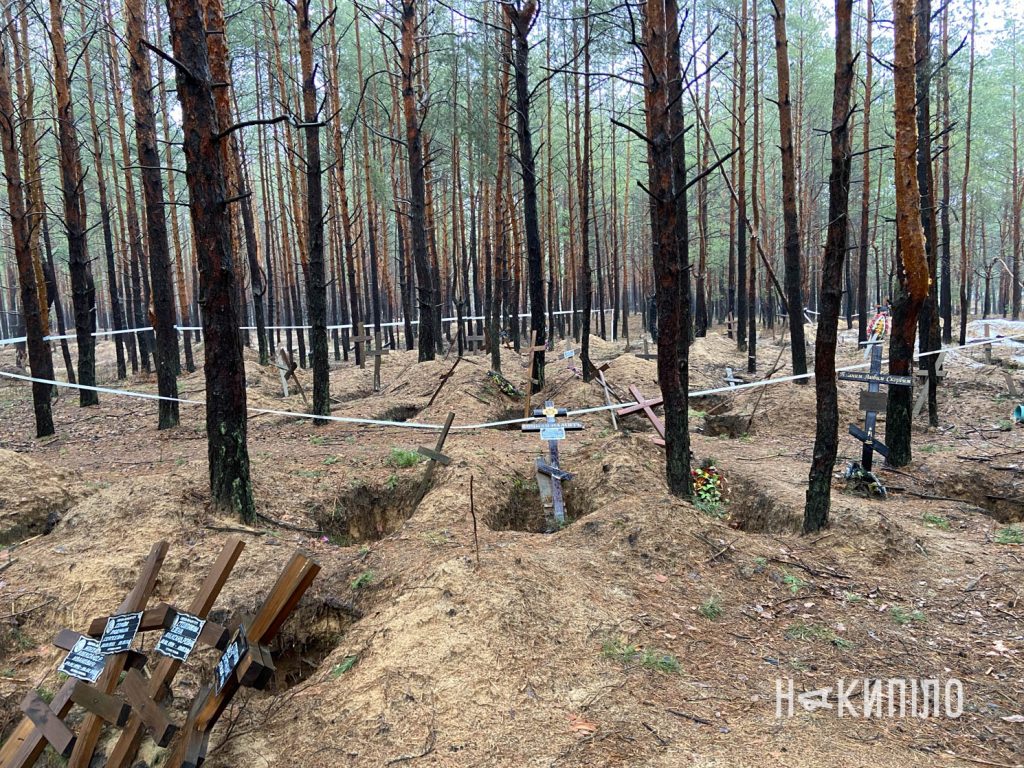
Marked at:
<point>872,401</point>
<point>122,696</point>
<point>647,407</point>
<point>552,431</point>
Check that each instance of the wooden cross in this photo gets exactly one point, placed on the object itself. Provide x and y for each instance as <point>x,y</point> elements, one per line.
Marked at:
<point>988,347</point>
<point>475,342</point>
<point>553,431</point>
<point>647,354</point>
<point>872,401</point>
<point>607,396</point>
<point>531,356</point>
<point>922,382</point>
<point>27,741</point>
<point>189,749</point>
<point>377,353</point>
<point>360,338</point>
<point>731,379</point>
<point>436,457</point>
<point>647,406</point>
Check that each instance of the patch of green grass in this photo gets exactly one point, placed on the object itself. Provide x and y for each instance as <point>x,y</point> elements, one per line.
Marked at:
<point>312,474</point>
<point>403,459</point>
<point>711,507</point>
<point>697,415</point>
<point>936,521</point>
<point>332,460</point>
<point>711,608</point>
<point>179,462</point>
<point>364,551</point>
<point>793,582</point>
<point>392,482</point>
<point>317,439</point>
<point>340,669</point>
<point>364,579</point>
<point>804,631</point>
<point>648,658</point>
<point>929,449</point>
<point>1005,425</point>
<point>1011,534</point>
<point>903,617</point>
<point>852,598</point>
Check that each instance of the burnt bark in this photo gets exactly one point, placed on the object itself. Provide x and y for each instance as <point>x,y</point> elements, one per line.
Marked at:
<point>165,351</point>
<point>224,371</point>
<point>83,290</point>
<point>39,356</point>
<point>826,438</point>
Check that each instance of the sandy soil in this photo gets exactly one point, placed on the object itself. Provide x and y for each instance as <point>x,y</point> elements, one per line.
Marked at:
<point>645,633</point>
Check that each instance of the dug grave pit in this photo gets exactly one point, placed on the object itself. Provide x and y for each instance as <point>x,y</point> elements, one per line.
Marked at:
<point>367,512</point>
<point>523,510</point>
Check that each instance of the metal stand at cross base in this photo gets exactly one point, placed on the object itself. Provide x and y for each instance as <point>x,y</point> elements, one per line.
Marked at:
<point>553,431</point>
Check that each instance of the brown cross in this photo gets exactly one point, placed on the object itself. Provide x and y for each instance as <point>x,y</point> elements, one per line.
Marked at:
<point>647,406</point>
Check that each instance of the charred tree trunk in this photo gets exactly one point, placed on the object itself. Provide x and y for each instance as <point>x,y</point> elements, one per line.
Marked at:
<point>666,184</point>
<point>83,290</point>
<point>826,438</point>
<point>865,198</point>
<point>316,290</point>
<point>911,259</point>
<point>965,270</point>
<point>230,484</point>
<point>165,352</point>
<point>417,184</point>
<point>38,350</point>
<point>522,19</point>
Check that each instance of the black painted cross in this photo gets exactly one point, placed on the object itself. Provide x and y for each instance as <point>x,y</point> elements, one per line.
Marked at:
<point>872,400</point>
<point>553,431</point>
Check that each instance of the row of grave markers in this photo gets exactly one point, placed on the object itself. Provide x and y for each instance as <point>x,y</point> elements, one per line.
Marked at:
<point>106,679</point>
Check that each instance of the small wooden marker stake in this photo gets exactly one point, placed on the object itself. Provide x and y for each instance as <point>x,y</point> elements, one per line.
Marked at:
<point>531,350</point>
<point>607,396</point>
<point>360,338</point>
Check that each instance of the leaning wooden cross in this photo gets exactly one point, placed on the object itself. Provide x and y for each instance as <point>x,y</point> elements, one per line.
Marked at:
<point>104,671</point>
<point>553,431</point>
<point>436,457</point>
<point>647,407</point>
<point>872,401</point>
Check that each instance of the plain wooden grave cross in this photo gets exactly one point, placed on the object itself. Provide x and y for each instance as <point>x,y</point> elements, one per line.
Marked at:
<point>377,352</point>
<point>553,431</point>
<point>360,337</point>
<point>872,401</point>
<point>922,382</point>
<point>531,356</point>
<point>607,396</point>
<point>474,341</point>
<point>647,407</point>
<point>731,379</point>
<point>436,457</point>
<point>647,354</point>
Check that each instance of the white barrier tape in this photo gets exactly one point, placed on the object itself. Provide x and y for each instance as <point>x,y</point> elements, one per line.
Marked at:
<point>194,328</point>
<point>482,425</point>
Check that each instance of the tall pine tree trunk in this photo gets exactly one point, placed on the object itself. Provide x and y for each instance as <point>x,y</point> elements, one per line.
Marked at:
<point>165,352</point>
<point>83,290</point>
<point>230,484</point>
<point>826,438</point>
